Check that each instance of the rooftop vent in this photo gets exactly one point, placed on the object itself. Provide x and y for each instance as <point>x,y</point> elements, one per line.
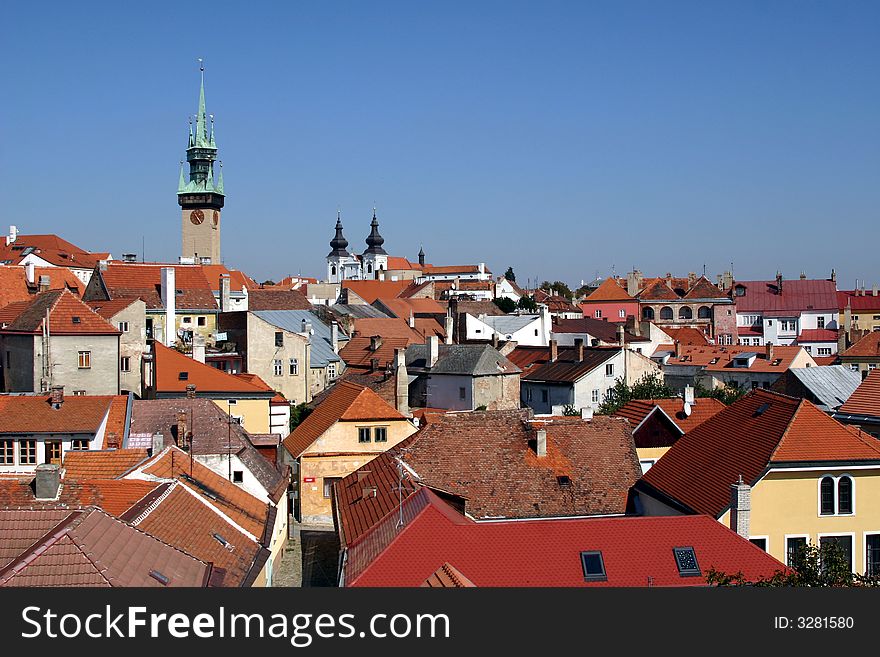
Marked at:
<point>564,481</point>
<point>159,577</point>
<point>183,376</point>
<point>686,560</point>
<point>222,541</point>
<point>76,320</point>
<point>761,409</point>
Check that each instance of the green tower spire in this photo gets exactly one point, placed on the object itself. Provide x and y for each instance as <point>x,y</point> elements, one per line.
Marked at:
<point>201,148</point>
<point>201,117</point>
<point>181,185</point>
<point>219,186</point>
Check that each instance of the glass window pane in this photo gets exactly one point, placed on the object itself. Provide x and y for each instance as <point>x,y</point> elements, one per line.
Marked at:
<point>827,495</point>
<point>844,495</point>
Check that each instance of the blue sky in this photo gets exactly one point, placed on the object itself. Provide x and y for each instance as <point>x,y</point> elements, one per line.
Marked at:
<point>562,138</point>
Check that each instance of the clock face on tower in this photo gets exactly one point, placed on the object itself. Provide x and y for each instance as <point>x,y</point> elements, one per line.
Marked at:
<point>215,219</point>
<point>197,217</point>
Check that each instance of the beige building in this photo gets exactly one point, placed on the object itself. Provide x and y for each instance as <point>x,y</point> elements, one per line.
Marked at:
<point>349,428</point>
<point>129,316</point>
<point>76,348</point>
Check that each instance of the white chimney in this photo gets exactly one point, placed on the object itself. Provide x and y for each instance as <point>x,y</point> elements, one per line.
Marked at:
<point>689,395</point>
<point>13,235</point>
<point>198,348</point>
<point>334,336</point>
<point>412,319</point>
<point>401,381</point>
<point>482,269</point>
<point>740,507</point>
<point>47,481</point>
<point>587,413</point>
<point>225,293</point>
<point>433,351</point>
<point>449,327</point>
<point>541,442</point>
<point>29,273</point>
<point>169,299</point>
<point>158,443</point>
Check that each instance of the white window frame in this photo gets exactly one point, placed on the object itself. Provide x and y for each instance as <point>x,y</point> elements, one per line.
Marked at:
<point>865,548</point>
<point>766,538</point>
<point>621,313</point>
<point>331,371</point>
<point>123,326</point>
<point>785,545</point>
<point>80,360</point>
<point>595,395</point>
<point>836,479</point>
<point>125,363</point>
<point>852,536</point>
<point>598,313</point>
<point>293,367</point>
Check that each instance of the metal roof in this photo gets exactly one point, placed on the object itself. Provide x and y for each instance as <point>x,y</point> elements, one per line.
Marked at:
<point>831,384</point>
<point>509,324</point>
<point>291,320</point>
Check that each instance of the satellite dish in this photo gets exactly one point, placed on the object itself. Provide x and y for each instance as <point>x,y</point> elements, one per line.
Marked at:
<point>687,409</point>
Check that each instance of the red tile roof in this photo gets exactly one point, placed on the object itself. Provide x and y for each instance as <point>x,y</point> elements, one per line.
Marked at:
<point>504,553</point>
<point>608,290</point>
<point>419,306</point>
<point>347,402</point>
<point>797,296</point>
<point>760,429</point>
<point>52,249</point>
<point>688,336</point>
<point>447,270</point>
<point>113,495</point>
<point>703,289</point>
<point>20,529</point>
<point>108,309</point>
<point>401,264</point>
<point>14,286</point>
<point>866,399</point>
<point>817,335</point>
<point>638,409</point>
<point>105,464</point>
<point>238,281</point>
<point>357,353</point>
<point>390,327</point>
<point>143,280</point>
<point>34,414</point>
<point>170,363</point>
<point>597,328</point>
<point>868,346</point>
<point>695,355</point>
<point>369,291</point>
<point>447,576</point>
<point>93,549</point>
<point>269,299</point>
<point>67,316</point>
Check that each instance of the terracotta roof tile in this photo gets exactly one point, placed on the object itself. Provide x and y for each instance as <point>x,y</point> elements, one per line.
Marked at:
<point>817,335</point>
<point>143,280</point>
<point>866,399</point>
<point>67,316</point>
<point>638,409</point>
<point>170,364</point>
<point>868,346</point>
<point>51,248</point>
<point>491,553</point>
<point>105,464</point>
<point>107,309</point>
<point>608,290</point>
<point>744,439</point>
<point>597,328</point>
<point>269,299</point>
<point>34,413</point>
<point>688,336</point>
<point>447,576</point>
<point>348,401</point>
<point>115,496</point>
<point>390,327</point>
<point>369,291</point>
<point>14,286</point>
<point>858,302</point>
<point>797,296</point>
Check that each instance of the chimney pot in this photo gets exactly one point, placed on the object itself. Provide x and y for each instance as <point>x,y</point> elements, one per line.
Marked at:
<point>579,349</point>
<point>769,351</point>
<point>45,283</point>
<point>587,413</point>
<point>541,442</point>
<point>48,481</point>
<point>375,342</point>
<point>554,350</point>
<point>688,394</point>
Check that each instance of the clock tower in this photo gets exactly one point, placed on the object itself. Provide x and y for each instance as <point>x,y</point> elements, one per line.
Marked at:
<point>201,198</point>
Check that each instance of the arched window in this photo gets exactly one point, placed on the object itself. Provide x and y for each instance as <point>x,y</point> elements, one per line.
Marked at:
<point>844,495</point>
<point>704,312</point>
<point>647,312</point>
<point>333,270</point>
<point>666,312</point>
<point>826,495</point>
<point>369,268</point>
<point>836,495</point>
<point>685,312</point>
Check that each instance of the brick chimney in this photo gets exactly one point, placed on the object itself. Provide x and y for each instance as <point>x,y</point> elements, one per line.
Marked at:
<point>677,346</point>
<point>768,348</point>
<point>433,347</point>
<point>56,396</point>
<point>554,351</point>
<point>190,391</point>
<point>778,282</point>
<point>621,337</point>
<point>182,440</point>
<point>375,342</point>
<point>541,443</point>
<point>112,441</point>
<point>579,349</point>
<point>48,481</point>
<point>740,507</point>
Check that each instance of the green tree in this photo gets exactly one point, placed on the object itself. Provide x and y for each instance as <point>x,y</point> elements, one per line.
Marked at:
<point>527,303</point>
<point>506,304</point>
<point>268,281</point>
<point>559,288</point>
<point>726,395</point>
<point>509,275</point>
<point>649,386</point>
<point>570,411</point>
<point>582,291</point>
<point>298,413</point>
<point>813,566</point>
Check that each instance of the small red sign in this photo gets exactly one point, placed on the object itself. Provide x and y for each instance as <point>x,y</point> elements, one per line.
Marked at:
<point>308,480</point>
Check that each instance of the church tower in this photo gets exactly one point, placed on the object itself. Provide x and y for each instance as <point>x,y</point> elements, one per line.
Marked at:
<point>201,198</point>
<point>375,259</point>
<point>339,259</point>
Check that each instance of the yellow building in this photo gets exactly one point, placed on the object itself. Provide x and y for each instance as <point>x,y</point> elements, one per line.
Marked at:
<point>348,429</point>
<point>169,373</point>
<point>806,478</point>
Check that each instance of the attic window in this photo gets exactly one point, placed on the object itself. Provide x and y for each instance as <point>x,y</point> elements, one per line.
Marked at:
<point>222,541</point>
<point>594,566</point>
<point>776,361</point>
<point>564,481</point>
<point>76,320</point>
<point>159,577</point>
<point>713,361</point>
<point>686,560</point>
<point>183,376</point>
<point>761,409</point>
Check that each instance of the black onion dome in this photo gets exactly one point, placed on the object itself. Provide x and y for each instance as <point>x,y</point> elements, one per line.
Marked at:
<point>339,244</point>
<point>374,239</point>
